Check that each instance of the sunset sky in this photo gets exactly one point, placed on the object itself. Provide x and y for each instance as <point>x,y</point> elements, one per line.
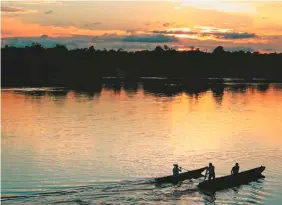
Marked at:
<point>253,25</point>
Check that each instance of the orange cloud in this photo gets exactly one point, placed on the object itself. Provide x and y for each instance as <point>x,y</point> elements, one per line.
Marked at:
<point>12,10</point>
<point>41,2</point>
<point>12,27</point>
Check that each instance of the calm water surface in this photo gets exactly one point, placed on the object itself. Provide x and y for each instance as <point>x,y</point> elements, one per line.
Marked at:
<point>66,147</point>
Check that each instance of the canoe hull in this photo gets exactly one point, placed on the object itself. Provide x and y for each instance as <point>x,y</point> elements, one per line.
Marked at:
<point>232,180</point>
<point>193,174</point>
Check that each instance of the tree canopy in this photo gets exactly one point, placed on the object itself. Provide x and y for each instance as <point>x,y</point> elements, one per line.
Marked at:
<point>38,66</point>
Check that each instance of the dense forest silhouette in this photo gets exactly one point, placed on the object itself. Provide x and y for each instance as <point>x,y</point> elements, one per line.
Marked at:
<point>84,68</point>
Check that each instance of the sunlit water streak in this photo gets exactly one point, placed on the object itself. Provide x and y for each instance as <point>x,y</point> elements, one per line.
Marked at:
<point>65,147</point>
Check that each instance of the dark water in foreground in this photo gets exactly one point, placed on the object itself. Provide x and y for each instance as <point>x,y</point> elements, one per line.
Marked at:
<point>66,147</point>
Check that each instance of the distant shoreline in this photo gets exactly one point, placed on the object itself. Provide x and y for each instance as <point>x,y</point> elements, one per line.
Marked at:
<point>87,68</point>
<point>161,81</point>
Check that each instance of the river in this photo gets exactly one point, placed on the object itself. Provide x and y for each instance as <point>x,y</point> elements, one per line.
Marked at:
<point>65,147</point>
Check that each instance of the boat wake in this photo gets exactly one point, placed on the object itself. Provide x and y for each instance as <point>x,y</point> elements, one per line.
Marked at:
<point>139,192</point>
<point>123,192</point>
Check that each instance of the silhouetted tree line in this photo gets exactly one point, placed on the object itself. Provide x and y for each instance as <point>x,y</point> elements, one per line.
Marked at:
<point>83,68</point>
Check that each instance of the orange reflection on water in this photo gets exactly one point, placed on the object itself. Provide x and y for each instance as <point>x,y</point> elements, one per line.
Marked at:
<point>128,127</point>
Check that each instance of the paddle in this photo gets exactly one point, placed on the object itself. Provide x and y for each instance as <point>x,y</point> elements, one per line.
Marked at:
<point>206,174</point>
<point>184,169</point>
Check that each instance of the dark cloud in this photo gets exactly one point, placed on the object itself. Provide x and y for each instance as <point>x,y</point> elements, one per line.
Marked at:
<point>137,42</point>
<point>167,24</point>
<point>246,49</point>
<point>149,38</point>
<point>77,42</point>
<point>235,35</point>
<point>215,34</point>
<point>134,38</point>
<point>48,12</point>
<point>268,49</point>
<point>131,31</point>
<point>23,42</point>
<point>108,41</point>
<point>108,37</point>
<point>44,36</point>
<point>11,9</point>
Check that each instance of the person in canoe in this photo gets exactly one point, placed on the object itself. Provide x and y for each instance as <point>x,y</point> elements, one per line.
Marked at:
<point>210,171</point>
<point>235,169</point>
<point>176,170</point>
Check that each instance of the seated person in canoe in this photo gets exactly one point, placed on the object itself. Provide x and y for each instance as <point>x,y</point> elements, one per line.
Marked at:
<point>235,169</point>
<point>176,170</point>
<point>210,171</point>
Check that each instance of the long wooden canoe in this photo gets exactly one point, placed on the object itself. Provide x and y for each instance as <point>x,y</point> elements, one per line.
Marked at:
<point>193,174</point>
<point>232,180</point>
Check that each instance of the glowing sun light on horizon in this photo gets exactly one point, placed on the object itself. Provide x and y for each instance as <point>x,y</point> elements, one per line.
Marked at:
<point>219,5</point>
